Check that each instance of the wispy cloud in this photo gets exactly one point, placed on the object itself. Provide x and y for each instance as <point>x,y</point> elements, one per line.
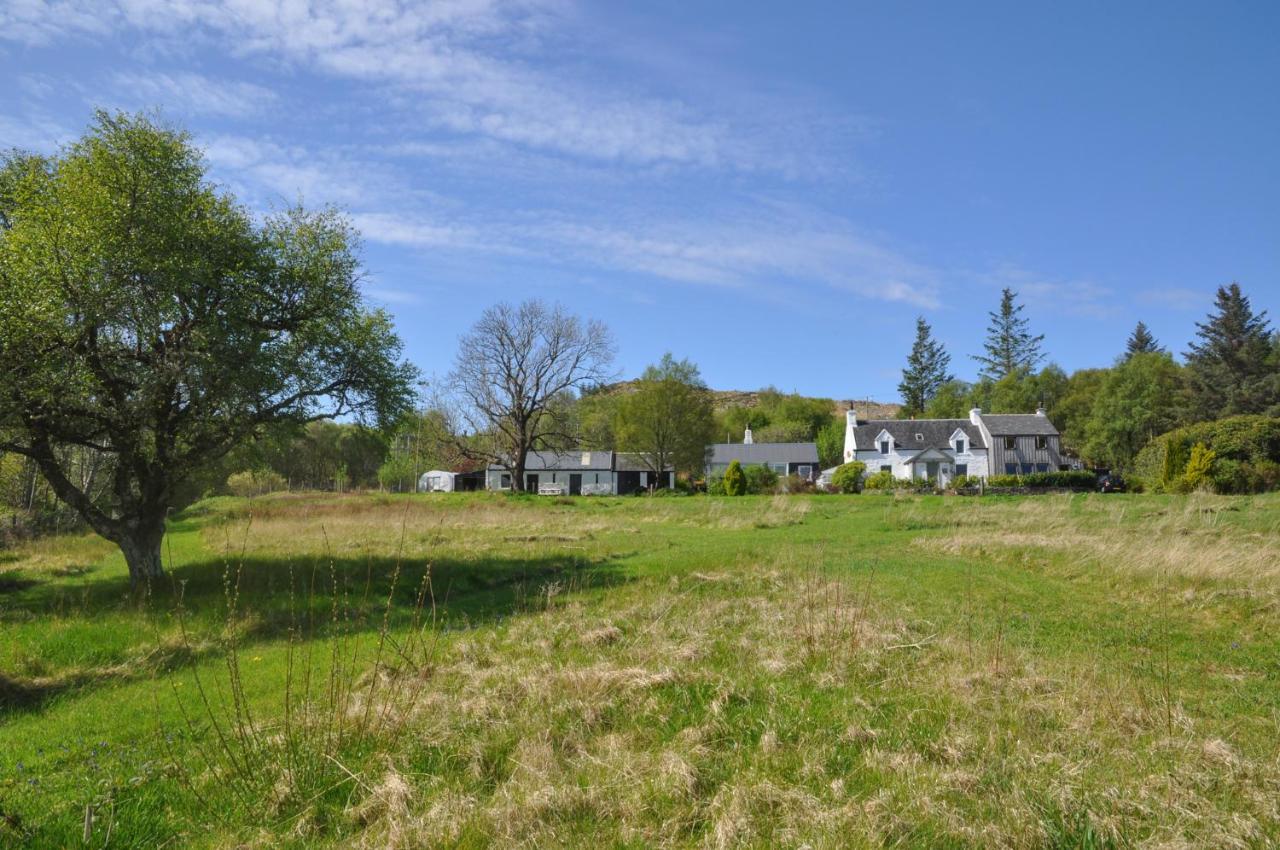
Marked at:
<point>1082,298</point>
<point>1175,298</point>
<point>193,93</point>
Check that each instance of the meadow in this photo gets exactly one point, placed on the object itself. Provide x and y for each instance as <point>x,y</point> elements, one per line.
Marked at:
<point>470,670</point>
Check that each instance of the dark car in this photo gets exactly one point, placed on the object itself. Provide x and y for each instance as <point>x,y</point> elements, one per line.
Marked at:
<point>1111,483</point>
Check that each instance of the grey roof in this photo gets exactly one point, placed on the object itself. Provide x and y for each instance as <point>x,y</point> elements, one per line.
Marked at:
<point>633,462</point>
<point>565,461</point>
<point>1018,424</point>
<point>936,432</point>
<point>764,453</point>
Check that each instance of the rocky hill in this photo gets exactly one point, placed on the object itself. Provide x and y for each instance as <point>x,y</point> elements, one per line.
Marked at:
<point>866,408</point>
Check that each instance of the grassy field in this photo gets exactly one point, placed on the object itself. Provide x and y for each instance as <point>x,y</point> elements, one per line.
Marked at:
<point>467,670</point>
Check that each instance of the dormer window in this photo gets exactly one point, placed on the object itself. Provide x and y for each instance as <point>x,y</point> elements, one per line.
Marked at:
<point>960,446</point>
<point>884,447</point>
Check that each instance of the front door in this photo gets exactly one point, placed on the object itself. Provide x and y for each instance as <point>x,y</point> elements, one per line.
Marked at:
<point>575,484</point>
<point>931,470</point>
<point>533,483</point>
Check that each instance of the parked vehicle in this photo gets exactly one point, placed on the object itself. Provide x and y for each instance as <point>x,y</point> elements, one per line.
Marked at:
<point>1111,483</point>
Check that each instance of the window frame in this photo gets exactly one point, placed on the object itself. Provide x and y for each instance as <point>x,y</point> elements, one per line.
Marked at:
<point>886,446</point>
<point>1042,443</point>
<point>1010,444</point>
<point>962,469</point>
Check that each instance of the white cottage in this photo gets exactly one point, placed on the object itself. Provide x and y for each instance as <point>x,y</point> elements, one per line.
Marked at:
<point>937,449</point>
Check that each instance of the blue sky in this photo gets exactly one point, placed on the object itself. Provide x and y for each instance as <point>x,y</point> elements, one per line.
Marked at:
<point>773,190</point>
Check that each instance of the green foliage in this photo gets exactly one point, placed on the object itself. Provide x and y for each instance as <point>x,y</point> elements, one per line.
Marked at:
<point>951,401</point>
<point>399,473</point>
<point>1141,342</point>
<point>1075,407</point>
<point>1232,367</point>
<point>776,418</point>
<point>1246,451</point>
<point>1137,400</point>
<point>256,482</point>
<point>1075,479</point>
<point>734,482</point>
<point>926,370</point>
<point>146,315</point>
<point>1199,471</point>
<point>1010,347</point>
<point>848,477</point>
<point>880,481</point>
<point>667,419</point>
<point>830,442</point>
<point>760,480</point>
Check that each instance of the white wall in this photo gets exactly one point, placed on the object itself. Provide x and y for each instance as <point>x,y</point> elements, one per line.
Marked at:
<point>974,459</point>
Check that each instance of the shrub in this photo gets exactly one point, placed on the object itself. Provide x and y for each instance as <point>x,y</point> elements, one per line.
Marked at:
<point>1246,451</point>
<point>1075,479</point>
<point>761,479</point>
<point>255,482</point>
<point>796,484</point>
<point>1004,481</point>
<point>879,481</point>
<point>960,482</point>
<point>1197,475</point>
<point>734,481</point>
<point>848,477</point>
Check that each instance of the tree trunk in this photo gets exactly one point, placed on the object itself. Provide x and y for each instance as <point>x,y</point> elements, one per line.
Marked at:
<point>141,548</point>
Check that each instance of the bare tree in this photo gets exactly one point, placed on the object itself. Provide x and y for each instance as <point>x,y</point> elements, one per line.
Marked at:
<point>514,368</point>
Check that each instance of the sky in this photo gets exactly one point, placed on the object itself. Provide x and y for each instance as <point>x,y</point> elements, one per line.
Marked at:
<point>774,191</point>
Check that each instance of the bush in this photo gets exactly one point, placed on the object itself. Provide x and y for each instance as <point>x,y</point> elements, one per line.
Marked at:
<point>761,479</point>
<point>1197,475</point>
<point>879,481</point>
<point>1004,481</point>
<point>1246,452</point>
<point>734,483</point>
<point>960,482</point>
<point>1075,479</point>
<point>848,477</point>
<point>256,482</point>
<point>795,484</point>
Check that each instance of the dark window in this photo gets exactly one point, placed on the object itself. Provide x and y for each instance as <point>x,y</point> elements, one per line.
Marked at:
<point>886,468</point>
<point>962,469</point>
<point>1042,443</point>
<point>884,447</point>
<point>506,481</point>
<point>960,446</point>
<point>1028,468</point>
<point>1042,467</point>
<point>1010,443</point>
<point>1010,469</point>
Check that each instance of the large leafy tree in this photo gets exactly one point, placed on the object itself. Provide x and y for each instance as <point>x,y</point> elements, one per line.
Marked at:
<point>1230,365</point>
<point>668,417</point>
<point>1138,399</point>
<point>926,371</point>
<point>1141,341</point>
<point>1010,347</point>
<point>145,316</point>
<point>515,376</point>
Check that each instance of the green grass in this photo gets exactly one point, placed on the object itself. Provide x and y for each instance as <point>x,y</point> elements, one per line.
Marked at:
<point>1059,671</point>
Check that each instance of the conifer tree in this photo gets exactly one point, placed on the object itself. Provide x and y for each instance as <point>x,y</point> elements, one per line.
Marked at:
<point>1230,366</point>
<point>1141,341</point>
<point>926,370</point>
<point>1010,346</point>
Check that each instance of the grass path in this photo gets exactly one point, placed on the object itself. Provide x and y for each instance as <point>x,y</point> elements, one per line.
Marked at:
<point>1061,671</point>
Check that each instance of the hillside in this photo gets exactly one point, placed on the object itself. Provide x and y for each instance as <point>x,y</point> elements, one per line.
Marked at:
<point>725,399</point>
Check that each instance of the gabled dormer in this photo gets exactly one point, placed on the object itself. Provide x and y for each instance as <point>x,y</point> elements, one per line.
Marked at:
<point>959,441</point>
<point>885,443</point>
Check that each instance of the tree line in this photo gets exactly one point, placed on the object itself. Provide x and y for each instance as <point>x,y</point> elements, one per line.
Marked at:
<point>1107,415</point>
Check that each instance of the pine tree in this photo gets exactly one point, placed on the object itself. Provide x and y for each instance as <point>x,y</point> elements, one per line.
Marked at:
<point>1010,346</point>
<point>1141,342</point>
<point>1229,367</point>
<point>926,370</point>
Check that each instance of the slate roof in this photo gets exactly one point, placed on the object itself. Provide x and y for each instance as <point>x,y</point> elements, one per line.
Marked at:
<point>565,462</point>
<point>757,453</point>
<point>1018,424</point>
<point>936,432</point>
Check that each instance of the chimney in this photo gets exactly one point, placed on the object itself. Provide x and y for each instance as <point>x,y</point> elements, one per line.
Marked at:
<point>851,418</point>
<point>746,438</point>
<point>975,415</point>
<point>1040,411</point>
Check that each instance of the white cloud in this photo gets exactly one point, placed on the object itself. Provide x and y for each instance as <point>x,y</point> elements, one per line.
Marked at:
<point>193,93</point>
<point>1176,298</point>
<point>1083,298</point>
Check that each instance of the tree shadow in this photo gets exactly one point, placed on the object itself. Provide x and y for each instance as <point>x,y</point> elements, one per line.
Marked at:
<point>260,598</point>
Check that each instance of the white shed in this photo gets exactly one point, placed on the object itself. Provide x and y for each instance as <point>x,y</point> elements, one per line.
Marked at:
<point>436,481</point>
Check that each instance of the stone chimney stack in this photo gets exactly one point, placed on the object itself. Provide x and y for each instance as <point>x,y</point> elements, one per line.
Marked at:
<point>1040,411</point>
<point>975,416</point>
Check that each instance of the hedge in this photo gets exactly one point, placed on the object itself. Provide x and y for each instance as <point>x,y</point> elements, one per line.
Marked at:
<point>1077,479</point>
<point>1246,455</point>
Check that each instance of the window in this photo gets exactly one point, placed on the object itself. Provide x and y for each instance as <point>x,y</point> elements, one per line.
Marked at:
<point>1042,443</point>
<point>1010,469</point>
<point>886,468</point>
<point>805,471</point>
<point>920,438</point>
<point>1042,467</point>
<point>1028,468</point>
<point>884,447</point>
<point>962,469</point>
<point>780,468</point>
<point>960,446</point>
<point>1010,443</point>
<point>505,484</point>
